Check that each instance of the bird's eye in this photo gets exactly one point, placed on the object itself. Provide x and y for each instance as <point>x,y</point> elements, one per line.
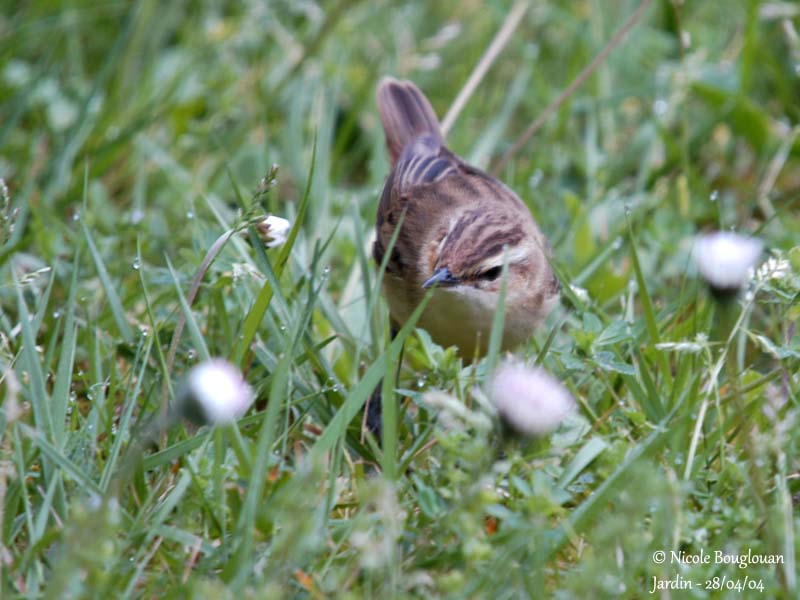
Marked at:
<point>491,274</point>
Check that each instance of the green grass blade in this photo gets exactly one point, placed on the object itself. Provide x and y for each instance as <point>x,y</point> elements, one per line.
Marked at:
<point>60,396</point>
<point>259,308</point>
<point>162,358</point>
<point>588,452</point>
<point>279,392</point>
<point>647,307</point>
<point>355,400</point>
<point>124,429</point>
<point>61,461</point>
<point>390,414</point>
<point>109,288</point>
<point>194,330</point>
<point>39,398</point>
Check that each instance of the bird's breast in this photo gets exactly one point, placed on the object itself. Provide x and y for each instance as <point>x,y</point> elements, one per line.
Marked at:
<point>461,316</point>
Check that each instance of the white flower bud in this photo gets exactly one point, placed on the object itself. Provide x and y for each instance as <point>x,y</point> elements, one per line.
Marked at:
<point>214,393</point>
<point>529,400</point>
<point>273,230</point>
<point>726,259</point>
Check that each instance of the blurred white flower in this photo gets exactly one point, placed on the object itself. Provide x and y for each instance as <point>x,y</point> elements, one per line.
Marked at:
<point>377,537</point>
<point>214,393</point>
<point>775,267</point>
<point>529,400</point>
<point>581,293</point>
<point>725,259</point>
<point>454,414</point>
<point>273,230</point>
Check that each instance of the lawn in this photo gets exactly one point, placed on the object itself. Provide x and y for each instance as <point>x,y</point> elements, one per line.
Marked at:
<point>142,142</point>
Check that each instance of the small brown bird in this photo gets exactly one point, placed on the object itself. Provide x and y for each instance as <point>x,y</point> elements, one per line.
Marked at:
<point>457,221</point>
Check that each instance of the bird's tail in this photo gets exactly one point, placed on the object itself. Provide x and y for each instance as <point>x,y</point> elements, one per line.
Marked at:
<point>406,115</point>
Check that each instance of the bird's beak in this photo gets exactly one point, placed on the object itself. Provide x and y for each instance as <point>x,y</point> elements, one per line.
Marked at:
<point>442,276</point>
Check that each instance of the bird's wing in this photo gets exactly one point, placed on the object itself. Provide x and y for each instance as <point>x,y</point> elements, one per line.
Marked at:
<point>425,160</point>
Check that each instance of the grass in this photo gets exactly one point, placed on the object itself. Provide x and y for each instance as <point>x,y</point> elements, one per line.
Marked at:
<point>134,134</point>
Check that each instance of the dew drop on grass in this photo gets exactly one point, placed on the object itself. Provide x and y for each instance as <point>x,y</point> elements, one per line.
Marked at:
<point>189,215</point>
<point>617,243</point>
<point>136,264</point>
<point>191,354</point>
<point>420,383</point>
<point>56,314</point>
<point>76,216</point>
<point>136,216</point>
<point>714,196</point>
<point>536,178</point>
<point>95,502</point>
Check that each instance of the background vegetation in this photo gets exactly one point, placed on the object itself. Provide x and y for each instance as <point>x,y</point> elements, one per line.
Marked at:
<point>134,134</point>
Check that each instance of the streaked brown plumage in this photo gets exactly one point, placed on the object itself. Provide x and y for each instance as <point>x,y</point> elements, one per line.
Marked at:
<point>456,222</point>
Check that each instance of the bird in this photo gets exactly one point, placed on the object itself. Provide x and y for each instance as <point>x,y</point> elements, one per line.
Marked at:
<point>457,226</point>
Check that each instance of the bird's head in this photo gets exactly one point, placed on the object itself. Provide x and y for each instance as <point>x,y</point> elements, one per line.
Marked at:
<point>464,262</point>
<point>469,250</point>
